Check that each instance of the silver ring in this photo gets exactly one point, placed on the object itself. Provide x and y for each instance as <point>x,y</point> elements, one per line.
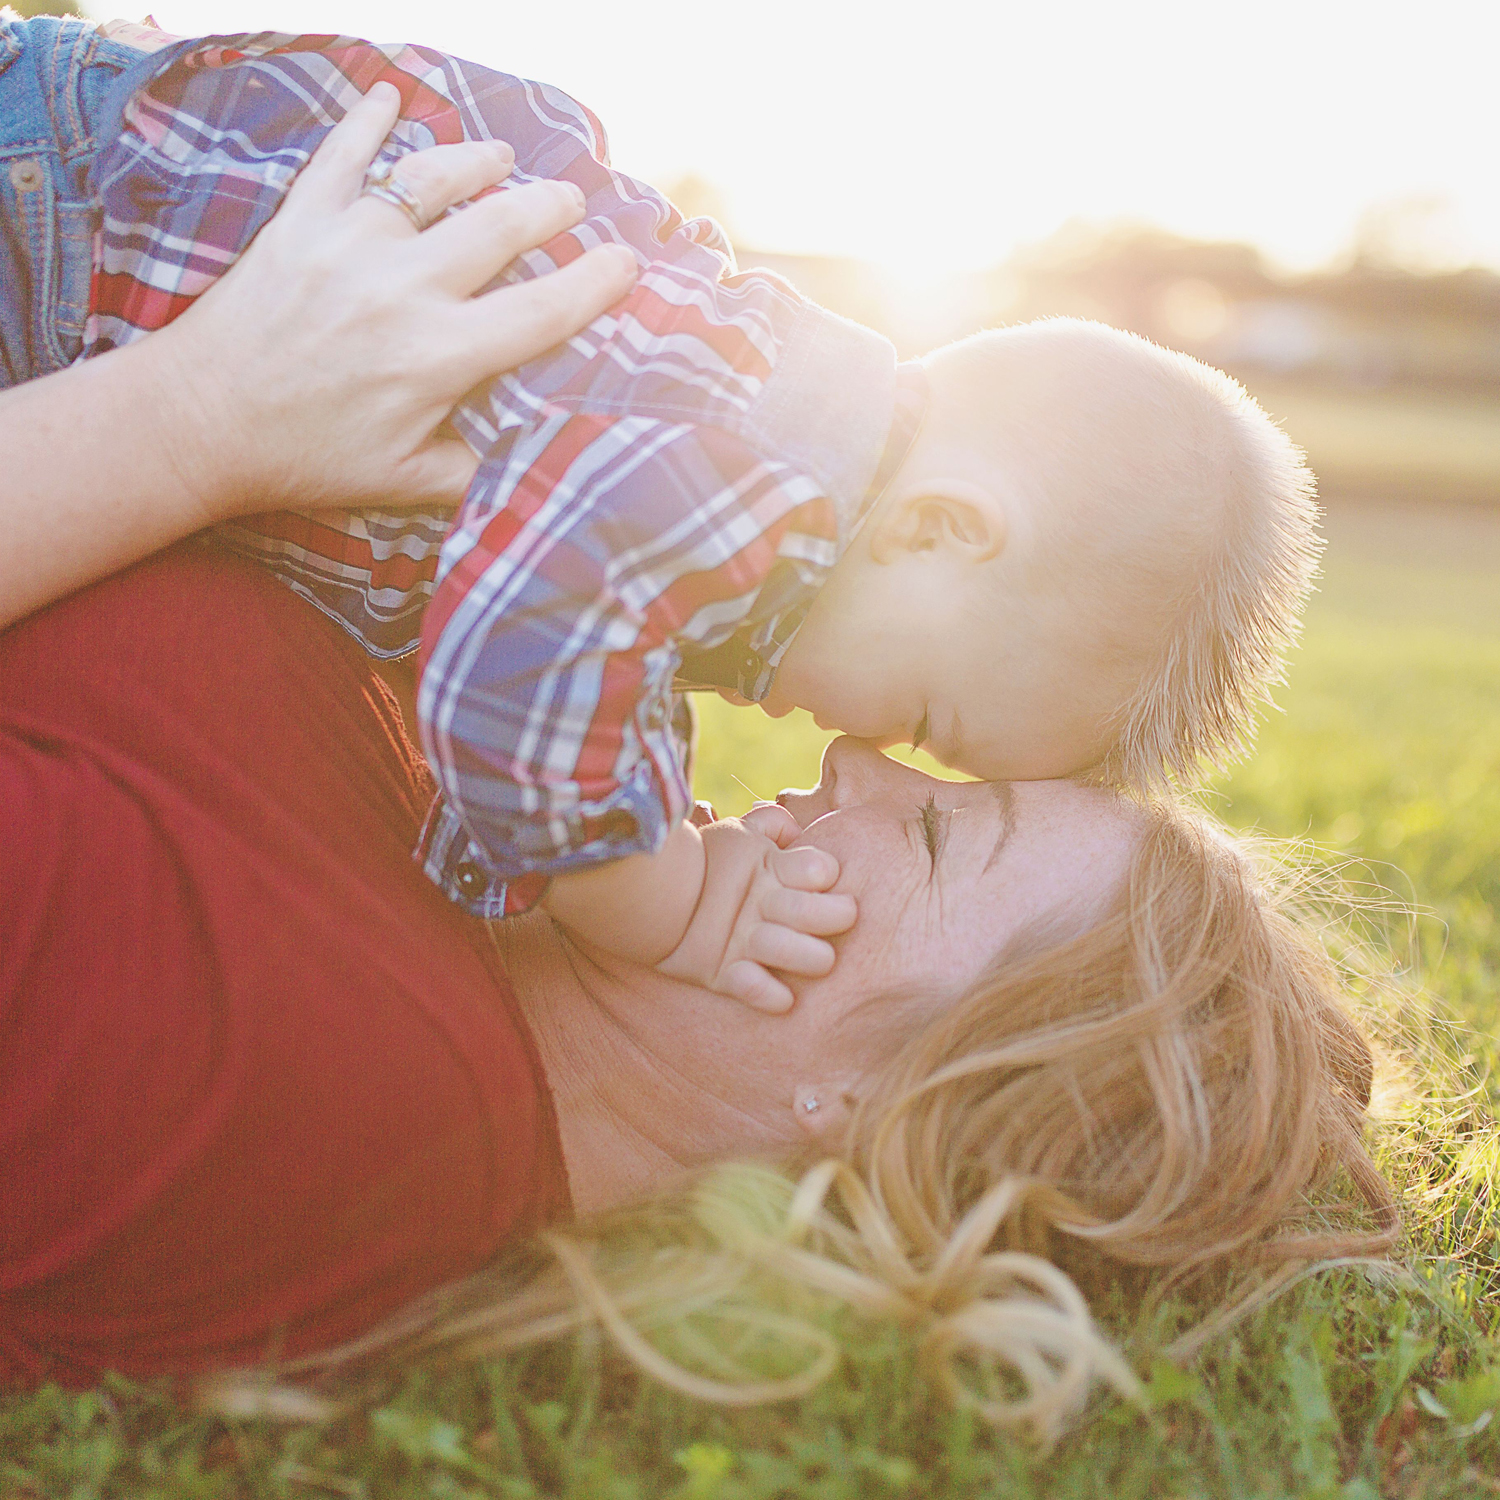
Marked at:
<point>381,182</point>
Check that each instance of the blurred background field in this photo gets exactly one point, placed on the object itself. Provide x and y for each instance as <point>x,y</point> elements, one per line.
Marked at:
<point>1385,372</point>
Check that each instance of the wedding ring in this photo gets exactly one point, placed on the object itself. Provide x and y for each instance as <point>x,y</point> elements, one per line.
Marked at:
<point>381,182</point>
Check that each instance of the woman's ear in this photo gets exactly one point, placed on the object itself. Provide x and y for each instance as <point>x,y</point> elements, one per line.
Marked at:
<point>947,513</point>
<point>823,1109</point>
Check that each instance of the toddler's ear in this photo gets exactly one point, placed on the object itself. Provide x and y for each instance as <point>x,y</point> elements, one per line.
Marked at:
<point>949,514</point>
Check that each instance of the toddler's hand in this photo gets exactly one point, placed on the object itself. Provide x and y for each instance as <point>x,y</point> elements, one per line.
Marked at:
<point>765,906</point>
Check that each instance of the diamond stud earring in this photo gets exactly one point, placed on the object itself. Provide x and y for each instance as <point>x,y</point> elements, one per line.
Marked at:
<point>805,1100</point>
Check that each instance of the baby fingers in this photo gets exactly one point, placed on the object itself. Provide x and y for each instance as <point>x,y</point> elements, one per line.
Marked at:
<point>751,985</point>
<point>790,951</point>
<point>805,868</point>
<point>775,822</point>
<point>807,911</point>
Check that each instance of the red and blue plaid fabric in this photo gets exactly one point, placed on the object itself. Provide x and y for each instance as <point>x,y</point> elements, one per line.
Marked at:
<point>659,499</point>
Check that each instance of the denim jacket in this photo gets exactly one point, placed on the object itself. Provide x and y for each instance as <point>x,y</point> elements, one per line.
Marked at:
<point>56,82</point>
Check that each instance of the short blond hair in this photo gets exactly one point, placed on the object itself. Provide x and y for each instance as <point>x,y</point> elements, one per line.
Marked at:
<point>1217,667</point>
<point>1185,456</point>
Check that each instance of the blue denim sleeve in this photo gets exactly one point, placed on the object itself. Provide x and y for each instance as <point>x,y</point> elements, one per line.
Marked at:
<point>57,78</point>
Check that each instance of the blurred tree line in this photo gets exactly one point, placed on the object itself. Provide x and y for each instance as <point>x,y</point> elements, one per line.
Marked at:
<point>29,8</point>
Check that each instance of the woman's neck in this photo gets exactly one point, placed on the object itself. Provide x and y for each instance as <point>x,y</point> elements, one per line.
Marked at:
<point>639,1107</point>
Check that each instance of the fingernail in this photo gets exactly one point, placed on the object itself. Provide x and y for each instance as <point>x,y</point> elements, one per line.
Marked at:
<point>383,90</point>
<point>576,193</point>
<point>624,254</point>
<point>504,150</point>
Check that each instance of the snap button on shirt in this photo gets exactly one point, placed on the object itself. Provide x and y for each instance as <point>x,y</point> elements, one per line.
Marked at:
<point>27,175</point>
<point>471,879</point>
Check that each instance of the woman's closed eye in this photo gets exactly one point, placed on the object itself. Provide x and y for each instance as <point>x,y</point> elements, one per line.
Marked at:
<point>931,835</point>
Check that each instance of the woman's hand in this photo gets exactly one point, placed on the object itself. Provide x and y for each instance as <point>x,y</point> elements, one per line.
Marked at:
<point>316,373</point>
<point>319,370</point>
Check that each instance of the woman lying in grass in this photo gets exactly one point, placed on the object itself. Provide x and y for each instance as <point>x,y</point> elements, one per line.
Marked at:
<point>263,1088</point>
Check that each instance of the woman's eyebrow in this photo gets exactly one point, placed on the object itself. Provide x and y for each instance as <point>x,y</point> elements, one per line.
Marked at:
<point>1006,806</point>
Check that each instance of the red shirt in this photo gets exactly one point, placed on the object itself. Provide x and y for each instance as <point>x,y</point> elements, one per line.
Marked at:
<point>260,1082</point>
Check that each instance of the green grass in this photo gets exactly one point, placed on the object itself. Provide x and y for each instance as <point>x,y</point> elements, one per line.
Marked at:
<point>1390,744</point>
<point>1351,1386</point>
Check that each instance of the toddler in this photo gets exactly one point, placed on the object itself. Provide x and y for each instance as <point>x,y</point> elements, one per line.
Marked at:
<point>1044,551</point>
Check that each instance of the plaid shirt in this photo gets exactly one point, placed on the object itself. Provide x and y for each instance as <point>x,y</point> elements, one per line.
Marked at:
<point>658,501</point>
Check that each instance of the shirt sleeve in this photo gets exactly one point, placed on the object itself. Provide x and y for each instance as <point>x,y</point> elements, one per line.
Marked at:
<point>581,564</point>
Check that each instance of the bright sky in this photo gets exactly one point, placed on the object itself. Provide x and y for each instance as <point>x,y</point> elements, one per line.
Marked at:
<point>940,134</point>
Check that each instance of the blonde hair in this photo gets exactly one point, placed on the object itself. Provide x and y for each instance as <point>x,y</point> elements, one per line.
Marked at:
<point>1202,508</point>
<point>1176,1093</point>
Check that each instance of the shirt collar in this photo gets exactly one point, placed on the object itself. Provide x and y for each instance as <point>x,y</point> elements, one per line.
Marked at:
<point>908,414</point>
<point>747,662</point>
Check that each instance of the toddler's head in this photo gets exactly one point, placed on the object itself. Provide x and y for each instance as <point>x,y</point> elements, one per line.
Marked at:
<point>1092,560</point>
